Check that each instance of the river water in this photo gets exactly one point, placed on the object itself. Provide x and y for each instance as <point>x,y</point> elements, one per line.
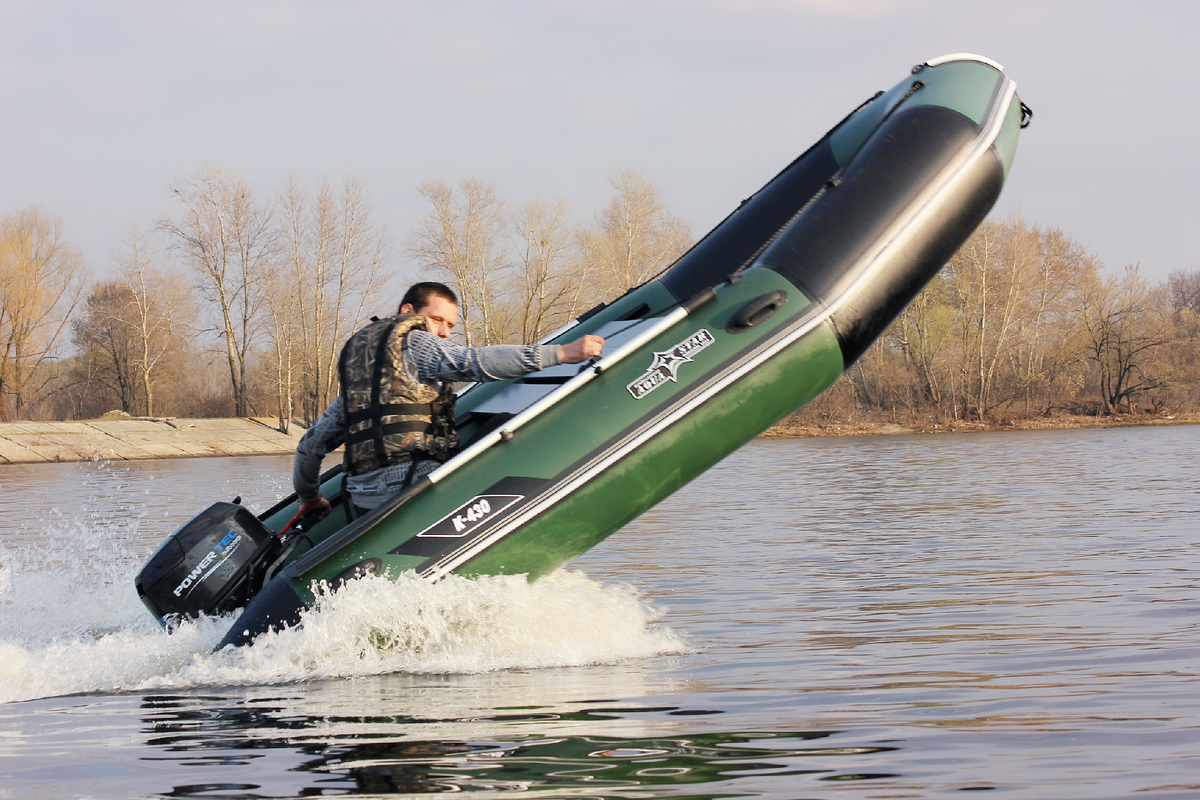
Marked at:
<point>876,617</point>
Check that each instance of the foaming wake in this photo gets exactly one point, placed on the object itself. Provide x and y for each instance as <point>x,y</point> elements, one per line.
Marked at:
<point>375,625</point>
<point>62,633</point>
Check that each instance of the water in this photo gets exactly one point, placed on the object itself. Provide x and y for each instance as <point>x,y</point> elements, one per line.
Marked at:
<point>870,617</point>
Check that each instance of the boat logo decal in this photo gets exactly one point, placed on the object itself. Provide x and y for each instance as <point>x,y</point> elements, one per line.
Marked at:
<point>666,364</point>
<point>470,515</point>
<point>226,547</point>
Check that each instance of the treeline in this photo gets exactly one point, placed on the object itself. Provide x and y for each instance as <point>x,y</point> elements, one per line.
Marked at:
<point>1024,322</point>
<point>232,304</point>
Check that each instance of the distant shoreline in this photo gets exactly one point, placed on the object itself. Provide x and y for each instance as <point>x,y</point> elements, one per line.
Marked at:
<point>796,430</point>
<point>130,439</point>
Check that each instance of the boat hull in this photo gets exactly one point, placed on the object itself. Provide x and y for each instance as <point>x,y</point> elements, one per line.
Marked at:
<point>756,320</point>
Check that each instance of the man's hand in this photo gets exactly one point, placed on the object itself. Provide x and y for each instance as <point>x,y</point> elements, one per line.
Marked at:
<point>580,349</point>
<point>314,512</point>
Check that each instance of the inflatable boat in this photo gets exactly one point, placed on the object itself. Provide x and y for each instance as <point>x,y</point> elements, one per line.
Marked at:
<point>760,316</point>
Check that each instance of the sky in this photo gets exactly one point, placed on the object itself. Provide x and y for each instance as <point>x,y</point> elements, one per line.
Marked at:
<point>103,105</point>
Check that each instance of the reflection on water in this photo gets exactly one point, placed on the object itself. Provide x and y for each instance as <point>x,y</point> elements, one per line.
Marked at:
<point>880,617</point>
<point>388,754</point>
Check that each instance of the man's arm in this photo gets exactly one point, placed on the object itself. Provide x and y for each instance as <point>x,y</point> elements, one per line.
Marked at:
<point>432,359</point>
<point>326,434</point>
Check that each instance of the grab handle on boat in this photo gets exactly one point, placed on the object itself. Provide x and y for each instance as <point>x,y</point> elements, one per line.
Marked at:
<point>757,311</point>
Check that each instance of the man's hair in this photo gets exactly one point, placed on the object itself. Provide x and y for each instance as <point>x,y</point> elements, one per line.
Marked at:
<point>419,293</point>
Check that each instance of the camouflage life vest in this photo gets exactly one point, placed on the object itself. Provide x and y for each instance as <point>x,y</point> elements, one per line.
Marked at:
<point>390,418</point>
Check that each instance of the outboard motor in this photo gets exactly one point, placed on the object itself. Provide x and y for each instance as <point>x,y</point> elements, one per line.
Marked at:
<point>212,565</point>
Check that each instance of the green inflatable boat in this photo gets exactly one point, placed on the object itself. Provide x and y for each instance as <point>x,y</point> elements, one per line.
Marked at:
<point>763,314</point>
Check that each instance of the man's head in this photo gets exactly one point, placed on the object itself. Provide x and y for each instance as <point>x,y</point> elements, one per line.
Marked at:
<point>434,301</point>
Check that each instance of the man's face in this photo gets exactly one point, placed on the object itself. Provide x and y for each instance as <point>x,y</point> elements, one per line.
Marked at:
<point>440,315</point>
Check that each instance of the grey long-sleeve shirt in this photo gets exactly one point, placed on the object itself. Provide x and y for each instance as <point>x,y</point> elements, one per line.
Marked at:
<point>429,360</point>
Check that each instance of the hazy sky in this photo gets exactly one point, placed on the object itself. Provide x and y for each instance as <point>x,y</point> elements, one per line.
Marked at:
<point>103,104</point>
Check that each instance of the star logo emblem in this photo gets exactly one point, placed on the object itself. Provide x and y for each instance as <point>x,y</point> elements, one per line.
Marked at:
<point>666,364</point>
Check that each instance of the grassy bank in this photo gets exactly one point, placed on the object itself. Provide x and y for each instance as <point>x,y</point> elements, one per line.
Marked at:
<point>802,425</point>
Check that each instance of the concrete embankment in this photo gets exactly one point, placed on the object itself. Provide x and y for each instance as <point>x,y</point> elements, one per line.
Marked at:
<point>119,439</point>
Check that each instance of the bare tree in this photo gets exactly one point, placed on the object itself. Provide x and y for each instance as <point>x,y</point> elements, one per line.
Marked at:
<point>130,326</point>
<point>42,279</point>
<point>304,239</point>
<point>106,346</point>
<point>223,234</point>
<point>159,311</point>
<point>362,249</point>
<point>1123,330</point>
<point>1183,294</point>
<point>461,241</point>
<point>990,273</point>
<point>335,256</point>
<point>546,290</point>
<point>1183,301</point>
<point>284,333</point>
<point>636,237</point>
<point>1047,367</point>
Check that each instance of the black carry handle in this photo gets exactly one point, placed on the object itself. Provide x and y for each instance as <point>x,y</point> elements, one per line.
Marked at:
<point>757,311</point>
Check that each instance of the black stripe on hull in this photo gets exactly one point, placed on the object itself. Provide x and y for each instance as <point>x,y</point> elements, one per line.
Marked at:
<point>442,538</point>
<point>818,252</point>
<point>868,311</point>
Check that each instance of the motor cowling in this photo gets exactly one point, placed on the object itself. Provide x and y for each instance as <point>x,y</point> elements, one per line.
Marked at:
<point>212,565</point>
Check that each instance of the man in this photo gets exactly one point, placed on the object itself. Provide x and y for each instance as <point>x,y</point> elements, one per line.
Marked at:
<point>396,411</point>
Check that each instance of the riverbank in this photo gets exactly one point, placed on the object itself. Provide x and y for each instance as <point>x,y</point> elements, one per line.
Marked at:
<point>123,438</point>
<point>119,439</point>
<point>792,428</point>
